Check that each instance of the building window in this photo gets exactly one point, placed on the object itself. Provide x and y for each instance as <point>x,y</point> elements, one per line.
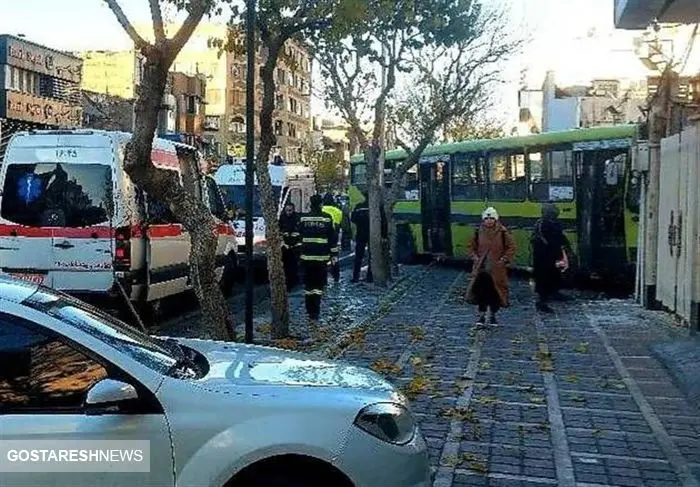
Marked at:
<point>211,122</point>
<point>279,101</point>
<point>237,125</point>
<point>238,98</point>
<point>278,127</point>
<point>291,130</point>
<point>293,106</point>
<point>191,104</point>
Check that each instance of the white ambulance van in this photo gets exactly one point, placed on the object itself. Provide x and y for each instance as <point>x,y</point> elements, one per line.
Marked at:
<point>293,183</point>
<point>71,219</point>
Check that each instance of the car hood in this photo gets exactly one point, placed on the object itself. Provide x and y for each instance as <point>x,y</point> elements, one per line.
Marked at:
<point>238,364</point>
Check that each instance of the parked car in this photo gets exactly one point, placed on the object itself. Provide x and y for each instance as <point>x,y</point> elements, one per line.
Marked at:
<point>216,413</point>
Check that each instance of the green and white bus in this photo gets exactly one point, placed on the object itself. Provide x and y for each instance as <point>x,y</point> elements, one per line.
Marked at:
<point>586,173</point>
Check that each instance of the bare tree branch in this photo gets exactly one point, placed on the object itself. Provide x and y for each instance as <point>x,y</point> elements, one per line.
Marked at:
<point>157,18</point>
<point>196,11</point>
<point>139,42</point>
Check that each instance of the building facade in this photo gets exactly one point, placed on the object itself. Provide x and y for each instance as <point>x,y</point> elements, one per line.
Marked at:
<point>292,115</point>
<point>115,73</point>
<point>602,102</point>
<point>107,112</point>
<point>220,115</point>
<point>39,87</point>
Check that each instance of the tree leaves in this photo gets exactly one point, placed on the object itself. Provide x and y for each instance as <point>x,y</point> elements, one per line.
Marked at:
<point>385,367</point>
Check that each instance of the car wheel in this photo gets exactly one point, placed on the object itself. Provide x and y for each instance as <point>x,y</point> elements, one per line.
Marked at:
<point>291,472</point>
<point>291,480</point>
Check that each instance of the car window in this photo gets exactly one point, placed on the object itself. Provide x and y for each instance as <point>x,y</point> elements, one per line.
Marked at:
<point>216,202</point>
<point>39,372</point>
<point>235,195</point>
<point>59,195</point>
<point>143,348</point>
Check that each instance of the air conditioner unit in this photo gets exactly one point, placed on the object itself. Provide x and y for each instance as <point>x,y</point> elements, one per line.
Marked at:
<point>640,157</point>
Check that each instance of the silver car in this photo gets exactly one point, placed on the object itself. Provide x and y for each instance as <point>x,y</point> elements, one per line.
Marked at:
<point>213,413</point>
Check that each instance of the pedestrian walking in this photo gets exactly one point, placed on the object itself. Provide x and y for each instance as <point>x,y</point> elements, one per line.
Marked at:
<point>291,244</point>
<point>492,249</point>
<point>360,217</point>
<point>319,246</point>
<point>331,208</point>
<point>550,259</point>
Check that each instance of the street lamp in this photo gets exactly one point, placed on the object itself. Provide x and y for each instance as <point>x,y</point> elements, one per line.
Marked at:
<point>250,154</point>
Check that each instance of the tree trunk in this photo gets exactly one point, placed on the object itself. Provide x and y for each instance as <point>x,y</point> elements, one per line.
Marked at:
<point>392,244</point>
<point>165,186</point>
<point>275,268</point>
<point>376,244</point>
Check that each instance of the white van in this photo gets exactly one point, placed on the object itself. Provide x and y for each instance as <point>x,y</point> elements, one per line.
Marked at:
<point>293,183</point>
<point>71,219</point>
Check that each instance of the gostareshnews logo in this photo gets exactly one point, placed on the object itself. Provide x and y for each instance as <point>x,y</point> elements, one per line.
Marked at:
<point>104,456</point>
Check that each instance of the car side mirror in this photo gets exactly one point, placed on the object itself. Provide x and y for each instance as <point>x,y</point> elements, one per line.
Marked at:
<point>107,395</point>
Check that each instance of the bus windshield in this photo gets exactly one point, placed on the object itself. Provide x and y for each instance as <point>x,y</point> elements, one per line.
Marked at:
<point>234,195</point>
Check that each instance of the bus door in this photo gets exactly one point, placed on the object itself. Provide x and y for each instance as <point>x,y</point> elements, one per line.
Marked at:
<point>601,204</point>
<point>435,204</point>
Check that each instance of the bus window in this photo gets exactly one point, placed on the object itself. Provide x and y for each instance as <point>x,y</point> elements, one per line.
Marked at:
<point>411,190</point>
<point>468,178</point>
<point>507,177</point>
<point>358,175</point>
<point>551,176</point>
<point>389,167</point>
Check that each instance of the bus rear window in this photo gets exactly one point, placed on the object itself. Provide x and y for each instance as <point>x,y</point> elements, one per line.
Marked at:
<point>57,195</point>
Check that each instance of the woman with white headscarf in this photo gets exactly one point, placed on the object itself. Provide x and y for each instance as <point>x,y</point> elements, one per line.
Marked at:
<point>492,249</point>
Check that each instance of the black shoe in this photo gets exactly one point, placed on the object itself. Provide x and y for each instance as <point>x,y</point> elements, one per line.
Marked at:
<point>354,280</point>
<point>493,321</point>
<point>481,321</point>
<point>369,280</point>
<point>544,308</point>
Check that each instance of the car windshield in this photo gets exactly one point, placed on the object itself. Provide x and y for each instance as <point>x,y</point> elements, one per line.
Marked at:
<point>143,348</point>
<point>57,195</point>
<point>235,195</point>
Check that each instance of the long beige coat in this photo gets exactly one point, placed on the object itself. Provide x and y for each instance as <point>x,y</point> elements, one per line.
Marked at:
<point>496,244</point>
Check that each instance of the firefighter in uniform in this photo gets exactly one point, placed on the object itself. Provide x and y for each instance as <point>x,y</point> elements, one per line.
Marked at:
<point>318,247</point>
<point>336,214</point>
<point>291,243</point>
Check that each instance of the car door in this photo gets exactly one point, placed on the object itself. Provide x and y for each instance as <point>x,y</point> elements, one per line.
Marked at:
<point>44,379</point>
<point>167,252</point>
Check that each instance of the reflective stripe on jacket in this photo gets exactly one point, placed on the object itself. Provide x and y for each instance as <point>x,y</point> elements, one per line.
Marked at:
<point>319,241</point>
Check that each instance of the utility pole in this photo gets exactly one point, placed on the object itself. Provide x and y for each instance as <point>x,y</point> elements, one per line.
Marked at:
<point>250,165</point>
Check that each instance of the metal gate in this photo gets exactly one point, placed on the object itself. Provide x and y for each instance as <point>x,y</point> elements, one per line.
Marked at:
<point>678,264</point>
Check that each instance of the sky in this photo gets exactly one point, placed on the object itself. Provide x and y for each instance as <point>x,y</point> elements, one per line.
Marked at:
<point>576,38</point>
